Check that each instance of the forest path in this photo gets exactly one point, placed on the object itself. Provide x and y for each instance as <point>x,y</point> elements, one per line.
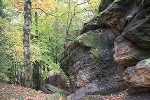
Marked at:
<point>15,92</point>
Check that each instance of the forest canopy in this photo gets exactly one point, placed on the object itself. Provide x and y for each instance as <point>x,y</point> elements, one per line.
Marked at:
<point>53,23</point>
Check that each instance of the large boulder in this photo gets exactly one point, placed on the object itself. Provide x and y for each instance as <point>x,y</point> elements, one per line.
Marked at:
<point>138,76</point>
<point>96,59</point>
<point>138,30</point>
<point>127,53</point>
<point>119,13</point>
<point>116,16</point>
<point>49,89</point>
<point>90,65</point>
<point>58,81</point>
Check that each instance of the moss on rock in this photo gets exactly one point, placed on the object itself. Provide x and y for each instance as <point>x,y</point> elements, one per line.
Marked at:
<point>88,39</point>
<point>95,53</point>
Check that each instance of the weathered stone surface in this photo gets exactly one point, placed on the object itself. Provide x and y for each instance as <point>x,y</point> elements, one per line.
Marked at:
<point>116,16</point>
<point>119,13</point>
<point>90,26</point>
<point>90,65</point>
<point>89,60</point>
<point>127,53</point>
<point>138,30</point>
<point>49,89</point>
<point>91,88</point>
<point>138,76</point>
<point>59,82</point>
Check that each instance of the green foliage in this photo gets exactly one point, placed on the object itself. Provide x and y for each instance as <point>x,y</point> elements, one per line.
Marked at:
<point>2,14</point>
<point>95,53</point>
<point>3,78</point>
<point>6,59</point>
<point>9,63</point>
<point>50,29</point>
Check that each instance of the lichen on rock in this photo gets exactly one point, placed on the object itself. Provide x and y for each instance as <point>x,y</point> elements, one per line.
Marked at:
<point>90,63</point>
<point>109,43</point>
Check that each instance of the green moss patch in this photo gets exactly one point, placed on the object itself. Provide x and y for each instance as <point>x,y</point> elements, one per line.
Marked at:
<point>89,39</point>
<point>95,53</point>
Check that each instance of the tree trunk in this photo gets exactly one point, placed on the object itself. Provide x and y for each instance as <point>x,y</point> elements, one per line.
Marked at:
<point>36,65</point>
<point>26,42</point>
<point>36,75</point>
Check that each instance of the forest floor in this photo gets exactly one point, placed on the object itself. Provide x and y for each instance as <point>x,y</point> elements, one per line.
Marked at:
<point>15,92</point>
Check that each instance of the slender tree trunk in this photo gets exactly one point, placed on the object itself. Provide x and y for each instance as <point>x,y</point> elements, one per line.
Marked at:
<point>68,20</point>
<point>36,75</point>
<point>36,24</point>
<point>36,64</point>
<point>26,42</point>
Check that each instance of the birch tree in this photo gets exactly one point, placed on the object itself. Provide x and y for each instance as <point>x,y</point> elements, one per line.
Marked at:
<point>26,42</point>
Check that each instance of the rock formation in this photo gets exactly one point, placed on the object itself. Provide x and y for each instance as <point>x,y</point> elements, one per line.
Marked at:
<point>138,76</point>
<point>113,49</point>
<point>56,82</point>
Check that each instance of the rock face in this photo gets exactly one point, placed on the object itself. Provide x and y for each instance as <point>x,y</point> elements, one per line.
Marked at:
<point>115,39</point>
<point>138,76</point>
<point>49,89</point>
<point>127,53</point>
<point>119,13</point>
<point>56,80</point>
<point>139,34</point>
<point>90,65</point>
<point>59,82</point>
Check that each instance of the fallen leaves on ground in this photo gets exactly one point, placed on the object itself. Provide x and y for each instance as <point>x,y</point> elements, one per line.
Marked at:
<point>15,92</point>
<point>119,96</point>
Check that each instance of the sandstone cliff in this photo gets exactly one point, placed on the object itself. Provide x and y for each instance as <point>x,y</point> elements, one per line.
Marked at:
<point>112,51</point>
